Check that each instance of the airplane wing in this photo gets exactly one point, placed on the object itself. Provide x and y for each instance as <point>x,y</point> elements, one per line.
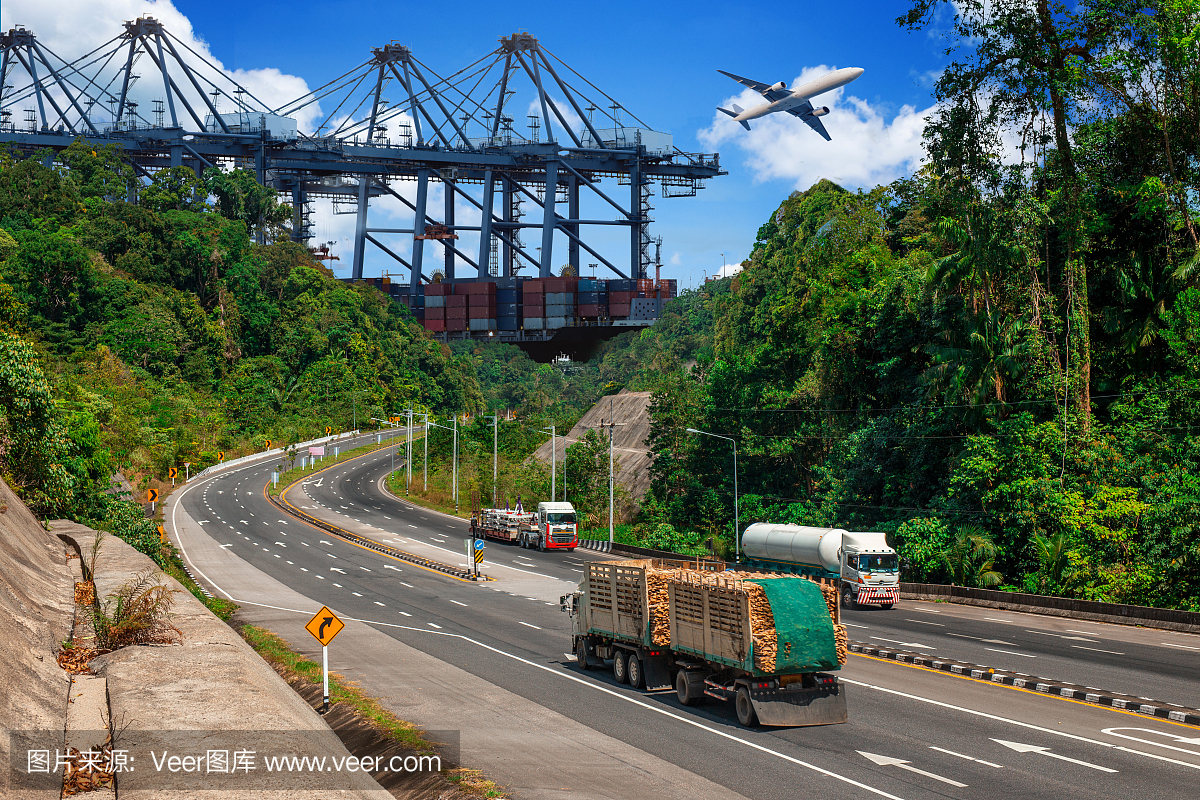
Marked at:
<point>761,88</point>
<point>804,112</point>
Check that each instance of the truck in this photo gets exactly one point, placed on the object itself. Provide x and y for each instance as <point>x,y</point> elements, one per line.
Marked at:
<point>556,528</point>
<point>866,570</point>
<point>770,643</point>
<point>502,524</point>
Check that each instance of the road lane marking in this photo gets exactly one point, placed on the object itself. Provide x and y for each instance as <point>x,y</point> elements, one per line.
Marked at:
<point>339,586</point>
<point>527,625</point>
<point>852,625</point>
<point>888,761</point>
<point>405,613</point>
<point>457,603</point>
<point>1008,652</point>
<point>1090,633</point>
<point>1060,636</point>
<point>1184,646</point>
<point>968,758</point>
<point>364,569</point>
<point>904,644</point>
<point>435,625</point>
<point>1096,650</point>
<point>1045,751</point>
<point>409,585</point>
<point>985,641</point>
<point>379,603</point>
<point>226,545</point>
<point>925,622</point>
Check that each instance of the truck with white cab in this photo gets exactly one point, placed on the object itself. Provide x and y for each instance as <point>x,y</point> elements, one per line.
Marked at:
<point>866,569</point>
<point>557,528</point>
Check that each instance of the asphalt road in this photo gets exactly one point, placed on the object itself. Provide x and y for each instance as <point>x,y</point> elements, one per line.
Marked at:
<point>950,732</point>
<point>1143,662</point>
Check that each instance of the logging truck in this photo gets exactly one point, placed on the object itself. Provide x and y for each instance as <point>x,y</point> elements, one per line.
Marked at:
<point>770,643</point>
<point>502,525</point>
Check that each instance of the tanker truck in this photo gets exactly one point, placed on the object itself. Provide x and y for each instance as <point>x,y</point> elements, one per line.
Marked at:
<point>767,642</point>
<point>867,571</point>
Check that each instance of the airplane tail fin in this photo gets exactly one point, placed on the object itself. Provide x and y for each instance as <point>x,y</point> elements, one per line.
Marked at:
<point>736,110</point>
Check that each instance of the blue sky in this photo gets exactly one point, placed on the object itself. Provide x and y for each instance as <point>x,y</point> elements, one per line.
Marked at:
<point>659,60</point>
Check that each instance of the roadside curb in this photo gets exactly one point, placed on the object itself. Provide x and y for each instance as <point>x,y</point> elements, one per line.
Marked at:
<point>1139,705</point>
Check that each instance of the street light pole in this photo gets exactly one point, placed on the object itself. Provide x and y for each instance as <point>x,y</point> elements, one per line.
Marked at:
<point>736,521</point>
<point>408,454</point>
<point>553,463</point>
<point>456,463</point>
<point>425,429</point>
<point>495,455</point>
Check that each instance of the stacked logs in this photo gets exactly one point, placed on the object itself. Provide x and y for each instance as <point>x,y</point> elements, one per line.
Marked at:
<point>660,619</point>
<point>842,641</point>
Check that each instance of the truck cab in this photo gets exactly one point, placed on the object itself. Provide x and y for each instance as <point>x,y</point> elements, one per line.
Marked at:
<point>557,528</point>
<point>870,570</point>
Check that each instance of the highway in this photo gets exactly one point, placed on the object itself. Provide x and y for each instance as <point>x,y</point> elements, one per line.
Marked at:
<point>912,733</point>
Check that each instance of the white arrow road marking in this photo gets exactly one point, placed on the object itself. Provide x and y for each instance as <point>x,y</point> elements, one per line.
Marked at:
<point>389,566</point>
<point>335,569</point>
<point>905,644</point>
<point>888,761</point>
<point>281,544</point>
<point>1045,751</point>
<point>985,641</point>
<point>1176,737</point>
<point>968,758</point>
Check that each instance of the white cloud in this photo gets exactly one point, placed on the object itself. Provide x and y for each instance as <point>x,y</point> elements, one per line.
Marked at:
<point>866,150</point>
<point>729,270</point>
<point>71,28</point>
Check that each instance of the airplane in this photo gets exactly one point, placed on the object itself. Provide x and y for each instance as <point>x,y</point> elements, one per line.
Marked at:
<point>795,101</point>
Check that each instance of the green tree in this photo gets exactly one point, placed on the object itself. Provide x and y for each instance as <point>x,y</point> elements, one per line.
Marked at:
<point>240,197</point>
<point>175,189</point>
<point>970,558</point>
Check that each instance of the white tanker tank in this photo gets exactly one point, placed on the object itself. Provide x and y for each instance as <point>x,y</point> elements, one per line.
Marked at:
<point>866,569</point>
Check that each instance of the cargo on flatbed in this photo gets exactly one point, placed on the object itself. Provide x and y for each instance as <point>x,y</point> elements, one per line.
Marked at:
<point>769,642</point>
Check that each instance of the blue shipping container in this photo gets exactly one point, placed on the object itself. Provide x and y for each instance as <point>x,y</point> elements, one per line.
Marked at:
<point>508,296</point>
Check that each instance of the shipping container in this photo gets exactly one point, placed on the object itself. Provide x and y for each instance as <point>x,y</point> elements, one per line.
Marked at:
<point>482,324</point>
<point>533,323</point>
<point>507,309</point>
<point>456,301</point>
<point>587,297</point>
<point>474,300</point>
<point>437,325</point>
<point>554,323</point>
<point>508,324</point>
<point>618,309</point>
<point>508,296</point>
<point>456,312</point>
<point>456,324</point>
<point>589,310</point>
<point>590,285</point>
<point>560,298</point>
<point>528,310</point>
<point>436,289</point>
<point>621,296</point>
<point>534,285</point>
<point>435,302</point>
<point>435,313</point>
<point>481,312</point>
<point>559,310</point>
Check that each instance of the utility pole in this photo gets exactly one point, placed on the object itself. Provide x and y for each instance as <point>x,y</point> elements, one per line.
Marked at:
<point>425,428</point>
<point>553,463</point>
<point>456,462</point>
<point>495,455</point>
<point>611,487</point>
<point>408,454</point>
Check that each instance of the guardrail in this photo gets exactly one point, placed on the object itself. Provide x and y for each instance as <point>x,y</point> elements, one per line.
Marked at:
<point>273,451</point>
<point>1166,618</point>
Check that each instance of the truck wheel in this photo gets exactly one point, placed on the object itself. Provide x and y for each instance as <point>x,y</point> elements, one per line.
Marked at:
<point>541,545</point>
<point>745,709</point>
<point>848,598</point>
<point>581,654</point>
<point>619,671</point>
<point>886,606</point>
<point>681,688</point>
<point>633,668</point>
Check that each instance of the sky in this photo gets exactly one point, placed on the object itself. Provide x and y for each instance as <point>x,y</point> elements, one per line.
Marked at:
<point>660,61</point>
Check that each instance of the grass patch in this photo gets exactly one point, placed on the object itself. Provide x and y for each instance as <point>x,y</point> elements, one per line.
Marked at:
<point>277,652</point>
<point>473,782</point>
<point>436,498</point>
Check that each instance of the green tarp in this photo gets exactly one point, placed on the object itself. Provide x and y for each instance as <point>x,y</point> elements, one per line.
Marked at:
<point>803,628</point>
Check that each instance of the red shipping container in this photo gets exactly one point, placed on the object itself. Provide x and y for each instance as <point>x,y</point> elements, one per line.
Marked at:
<point>481,312</point>
<point>474,300</point>
<point>621,297</point>
<point>538,293</point>
<point>589,310</point>
<point>534,285</point>
<point>556,285</point>
<point>456,301</point>
<point>436,289</point>
<point>456,312</point>
<point>645,285</point>
<point>618,309</point>
<point>456,324</point>
<point>533,310</point>
<point>437,325</point>
<point>435,313</point>
<point>475,287</point>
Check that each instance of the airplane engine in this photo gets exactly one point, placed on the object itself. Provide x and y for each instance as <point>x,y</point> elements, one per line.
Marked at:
<point>820,112</point>
<point>777,87</point>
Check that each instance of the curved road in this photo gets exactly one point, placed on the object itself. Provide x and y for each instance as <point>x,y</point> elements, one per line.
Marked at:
<point>949,733</point>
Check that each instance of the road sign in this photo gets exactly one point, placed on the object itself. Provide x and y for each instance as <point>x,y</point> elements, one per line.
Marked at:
<point>328,430</point>
<point>479,544</point>
<point>324,626</point>
<point>152,495</point>
<point>172,472</point>
<point>220,456</point>
<point>162,535</point>
<point>478,556</point>
<point>267,445</point>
